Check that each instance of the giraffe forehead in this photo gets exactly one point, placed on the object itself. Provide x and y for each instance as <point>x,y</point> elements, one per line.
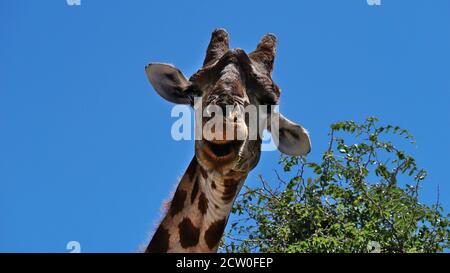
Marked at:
<point>235,81</point>
<point>227,74</point>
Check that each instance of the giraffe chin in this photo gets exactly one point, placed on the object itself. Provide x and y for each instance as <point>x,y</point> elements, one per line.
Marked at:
<point>218,155</point>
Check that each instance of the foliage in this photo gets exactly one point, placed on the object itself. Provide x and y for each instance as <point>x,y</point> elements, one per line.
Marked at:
<point>361,197</point>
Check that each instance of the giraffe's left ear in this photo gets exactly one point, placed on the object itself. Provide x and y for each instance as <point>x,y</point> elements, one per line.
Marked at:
<point>291,138</point>
<point>169,82</point>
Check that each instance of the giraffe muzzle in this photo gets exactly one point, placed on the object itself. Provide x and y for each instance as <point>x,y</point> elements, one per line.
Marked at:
<point>222,151</point>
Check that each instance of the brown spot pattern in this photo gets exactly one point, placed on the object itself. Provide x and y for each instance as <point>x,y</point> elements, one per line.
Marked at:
<point>214,233</point>
<point>194,191</point>
<point>177,202</point>
<point>159,242</point>
<point>191,169</point>
<point>202,203</point>
<point>213,185</point>
<point>189,234</point>
<point>230,189</point>
<point>204,173</point>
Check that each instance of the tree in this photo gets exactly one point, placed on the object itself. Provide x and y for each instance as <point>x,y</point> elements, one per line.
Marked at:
<point>361,197</point>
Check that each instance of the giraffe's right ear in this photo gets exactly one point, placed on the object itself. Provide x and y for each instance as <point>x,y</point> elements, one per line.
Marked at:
<point>169,82</point>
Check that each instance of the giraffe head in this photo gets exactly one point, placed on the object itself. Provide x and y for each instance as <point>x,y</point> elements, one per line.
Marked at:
<point>230,81</point>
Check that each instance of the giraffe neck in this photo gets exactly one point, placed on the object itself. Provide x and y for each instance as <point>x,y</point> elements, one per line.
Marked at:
<point>198,213</point>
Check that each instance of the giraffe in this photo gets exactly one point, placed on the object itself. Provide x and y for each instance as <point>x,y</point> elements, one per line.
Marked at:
<point>202,202</point>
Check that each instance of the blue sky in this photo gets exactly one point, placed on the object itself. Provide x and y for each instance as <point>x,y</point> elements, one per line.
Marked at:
<point>85,146</point>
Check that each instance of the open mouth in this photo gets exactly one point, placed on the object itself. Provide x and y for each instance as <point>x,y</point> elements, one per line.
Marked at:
<point>221,150</point>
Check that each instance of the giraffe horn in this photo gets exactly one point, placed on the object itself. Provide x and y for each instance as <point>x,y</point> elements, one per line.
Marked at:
<point>265,52</point>
<point>217,46</point>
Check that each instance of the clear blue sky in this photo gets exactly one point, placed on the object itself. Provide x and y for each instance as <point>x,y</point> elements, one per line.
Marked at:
<point>85,146</point>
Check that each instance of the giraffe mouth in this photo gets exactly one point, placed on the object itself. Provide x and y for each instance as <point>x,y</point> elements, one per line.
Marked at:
<point>222,150</point>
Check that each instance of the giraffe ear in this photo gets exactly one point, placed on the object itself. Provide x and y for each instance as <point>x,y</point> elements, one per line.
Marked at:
<point>169,82</point>
<point>290,137</point>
